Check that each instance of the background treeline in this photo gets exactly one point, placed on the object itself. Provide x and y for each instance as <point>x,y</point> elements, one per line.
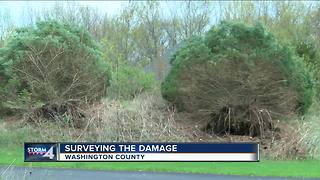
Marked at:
<point>145,34</point>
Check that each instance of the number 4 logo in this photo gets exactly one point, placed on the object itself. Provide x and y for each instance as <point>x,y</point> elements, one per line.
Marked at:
<point>49,154</point>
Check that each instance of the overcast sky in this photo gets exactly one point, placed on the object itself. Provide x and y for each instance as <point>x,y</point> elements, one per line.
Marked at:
<point>17,8</point>
<point>19,11</point>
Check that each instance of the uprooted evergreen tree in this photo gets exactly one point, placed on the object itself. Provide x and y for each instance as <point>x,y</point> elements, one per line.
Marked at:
<point>240,78</point>
<point>52,69</point>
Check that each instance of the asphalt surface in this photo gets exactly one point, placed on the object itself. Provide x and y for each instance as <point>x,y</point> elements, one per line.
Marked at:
<point>20,173</point>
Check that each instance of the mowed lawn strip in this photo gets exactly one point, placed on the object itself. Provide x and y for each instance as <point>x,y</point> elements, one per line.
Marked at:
<point>305,168</point>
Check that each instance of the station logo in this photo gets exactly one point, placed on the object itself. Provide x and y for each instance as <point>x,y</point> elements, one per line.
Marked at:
<point>40,152</point>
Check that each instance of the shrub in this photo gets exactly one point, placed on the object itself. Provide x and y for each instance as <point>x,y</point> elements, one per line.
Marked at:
<point>307,50</point>
<point>241,77</point>
<point>129,81</point>
<point>52,63</point>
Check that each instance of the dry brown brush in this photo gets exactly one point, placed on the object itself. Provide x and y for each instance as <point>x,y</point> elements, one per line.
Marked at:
<point>146,118</point>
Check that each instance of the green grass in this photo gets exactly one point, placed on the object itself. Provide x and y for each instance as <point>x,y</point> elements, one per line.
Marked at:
<point>306,168</point>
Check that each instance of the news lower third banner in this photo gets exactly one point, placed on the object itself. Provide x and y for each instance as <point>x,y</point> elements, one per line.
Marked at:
<point>53,152</point>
